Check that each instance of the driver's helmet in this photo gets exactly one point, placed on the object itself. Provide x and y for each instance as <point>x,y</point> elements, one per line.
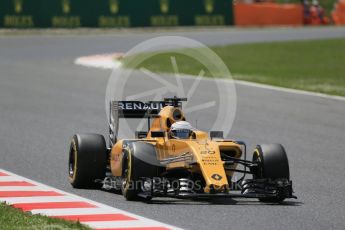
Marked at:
<point>181,130</point>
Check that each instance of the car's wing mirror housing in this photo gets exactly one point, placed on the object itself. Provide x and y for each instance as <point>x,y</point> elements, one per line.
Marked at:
<point>157,134</point>
<point>216,134</point>
<point>140,134</point>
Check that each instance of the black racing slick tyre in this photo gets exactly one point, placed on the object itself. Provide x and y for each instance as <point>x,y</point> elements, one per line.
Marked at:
<point>87,160</point>
<point>139,162</point>
<point>273,164</point>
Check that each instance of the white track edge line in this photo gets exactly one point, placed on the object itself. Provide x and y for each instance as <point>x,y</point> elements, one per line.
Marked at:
<point>37,199</point>
<point>120,224</point>
<point>288,90</point>
<point>23,188</point>
<point>73,211</point>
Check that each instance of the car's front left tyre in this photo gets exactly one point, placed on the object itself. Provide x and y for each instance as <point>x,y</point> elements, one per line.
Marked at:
<point>87,160</point>
<point>139,162</point>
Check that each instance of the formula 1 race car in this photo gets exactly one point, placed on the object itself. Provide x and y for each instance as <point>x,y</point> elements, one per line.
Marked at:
<point>173,159</point>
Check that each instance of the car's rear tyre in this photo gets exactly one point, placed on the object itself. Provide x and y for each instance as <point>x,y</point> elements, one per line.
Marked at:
<point>87,161</point>
<point>139,161</point>
<point>273,164</point>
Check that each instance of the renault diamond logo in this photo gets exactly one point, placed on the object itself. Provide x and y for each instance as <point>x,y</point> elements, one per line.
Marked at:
<point>216,176</point>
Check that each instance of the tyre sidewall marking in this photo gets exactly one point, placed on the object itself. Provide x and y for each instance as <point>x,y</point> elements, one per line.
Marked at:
<point>75,152</point>
<point>129,170</point>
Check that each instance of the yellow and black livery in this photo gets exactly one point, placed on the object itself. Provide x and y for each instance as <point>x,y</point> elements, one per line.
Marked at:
<point>155,164</point>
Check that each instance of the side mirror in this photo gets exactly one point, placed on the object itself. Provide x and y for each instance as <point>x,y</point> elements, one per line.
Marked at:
<point>157,134</point>
<point>216,134</point>
<point>140,134</point>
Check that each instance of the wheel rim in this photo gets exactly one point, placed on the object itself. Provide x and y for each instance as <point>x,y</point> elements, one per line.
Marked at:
<point>127,172</point>
<point>257,159</point>
<point>72,160</point>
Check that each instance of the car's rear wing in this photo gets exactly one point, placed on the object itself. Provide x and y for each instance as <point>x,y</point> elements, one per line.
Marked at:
<point>136,109</point>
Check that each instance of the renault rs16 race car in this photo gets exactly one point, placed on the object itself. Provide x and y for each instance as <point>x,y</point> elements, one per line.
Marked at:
<point>173,159</point>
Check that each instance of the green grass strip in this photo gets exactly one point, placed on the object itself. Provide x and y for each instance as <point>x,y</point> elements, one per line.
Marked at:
<point>12,218</point>
<point>313,65</point>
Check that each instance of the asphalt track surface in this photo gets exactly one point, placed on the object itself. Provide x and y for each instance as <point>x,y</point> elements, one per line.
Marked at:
<point>45,99</point>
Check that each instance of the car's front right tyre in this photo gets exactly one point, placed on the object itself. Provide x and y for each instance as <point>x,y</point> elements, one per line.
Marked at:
<point>273,164</point>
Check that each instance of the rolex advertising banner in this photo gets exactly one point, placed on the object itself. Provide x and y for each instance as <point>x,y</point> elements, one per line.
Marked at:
<point>114,13</point>
<point>17,13</point>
